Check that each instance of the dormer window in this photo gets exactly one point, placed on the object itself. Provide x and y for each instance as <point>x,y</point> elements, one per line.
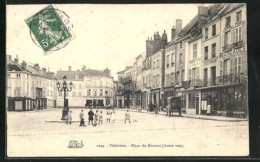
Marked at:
<point>228,19</point>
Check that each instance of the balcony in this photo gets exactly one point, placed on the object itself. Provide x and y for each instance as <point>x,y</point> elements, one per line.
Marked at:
<point>119,93</point>
<point>192,83</point>
<point>126,79</point>
<point>227,47</point>
<point>238,44</point>
<point>210,61</point>
<point>225,80</point>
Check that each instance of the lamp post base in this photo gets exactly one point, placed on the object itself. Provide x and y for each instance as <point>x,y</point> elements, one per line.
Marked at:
<point>64,115</point>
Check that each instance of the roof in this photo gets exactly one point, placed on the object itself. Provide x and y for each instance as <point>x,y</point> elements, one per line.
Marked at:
<point>11,67</point>
<point>185,31</point>
<point>71,75</point>
<point>29,69</point>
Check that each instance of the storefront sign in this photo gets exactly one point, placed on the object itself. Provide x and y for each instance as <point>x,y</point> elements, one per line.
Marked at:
<point>235,51</point>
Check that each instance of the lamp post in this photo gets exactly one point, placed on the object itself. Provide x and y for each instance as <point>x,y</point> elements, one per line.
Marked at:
<point>64,88</point>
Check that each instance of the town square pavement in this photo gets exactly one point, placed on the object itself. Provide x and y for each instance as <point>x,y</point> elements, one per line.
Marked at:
<point>42,133</point>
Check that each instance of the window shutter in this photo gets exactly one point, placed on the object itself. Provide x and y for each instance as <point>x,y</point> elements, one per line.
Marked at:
<point>231,66</point>
<point>232,36</point>
<point>222,41</point>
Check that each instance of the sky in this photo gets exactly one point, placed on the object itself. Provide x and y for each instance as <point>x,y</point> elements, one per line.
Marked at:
<point>105,35</point>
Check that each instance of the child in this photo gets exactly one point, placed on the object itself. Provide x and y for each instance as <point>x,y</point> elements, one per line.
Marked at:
<point>109,113</point>
<point>113,117</point>
<point>96,118</point>
<point>81,115</point>
<point>127,116</point>
<point>100,118</point>
<point>69,117</point>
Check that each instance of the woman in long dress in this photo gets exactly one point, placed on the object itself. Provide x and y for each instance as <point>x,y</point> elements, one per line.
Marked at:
<point>113,117</point>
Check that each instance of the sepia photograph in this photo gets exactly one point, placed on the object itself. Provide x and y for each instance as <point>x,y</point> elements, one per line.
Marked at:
<point>127,80</point>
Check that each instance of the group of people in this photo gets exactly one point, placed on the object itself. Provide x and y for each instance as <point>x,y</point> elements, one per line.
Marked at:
<point>97,118</point>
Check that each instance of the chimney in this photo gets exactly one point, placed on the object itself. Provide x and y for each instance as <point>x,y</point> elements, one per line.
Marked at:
<point>156,36</point>
<point>213,11</point>
<point>37,67</point>
<point>178,26</point>
<point>202,11</point>
<point>173,32</point>
<point>44,70</point>
<point>16,60</point>
<point>23,65</point>
<point>8,59</point>
<point>69,68</point>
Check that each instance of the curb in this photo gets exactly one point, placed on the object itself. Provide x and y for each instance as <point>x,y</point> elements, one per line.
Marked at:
<point>198,117</point>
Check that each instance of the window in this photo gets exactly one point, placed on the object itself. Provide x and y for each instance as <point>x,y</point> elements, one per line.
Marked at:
<point>182,75</point>
<point>227,38</point>
<point>18,75</point>
<point>228,19</point>
<point>178,77</point>
<point>180,58</point>
<point>17,92</point>
<point>213,30</point>
<point>95,92</point>
<point>101,92</point>
<point>237,64</point>
<point>80,94</point>
<point>172,59</point>
<point>238,33</point>
<point>206,33</point>
<point>206,53</point>
<point>51,93</point>
<point>194,50</point>
<point>167,61</point>
<point>89,92</point>
<point>180,45</point>
<point>239,16</point>
<point>157,63</point>
<point>153,64</point>
<point>73,94</point>
<point>79,86</point>
<point>213,48</point>
<point>100,83</point>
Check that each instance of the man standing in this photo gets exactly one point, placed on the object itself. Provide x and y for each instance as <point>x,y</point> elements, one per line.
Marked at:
<point>90,116</point>
<point>81,116</point>
<point>70,117</point>
<point>127,116</point>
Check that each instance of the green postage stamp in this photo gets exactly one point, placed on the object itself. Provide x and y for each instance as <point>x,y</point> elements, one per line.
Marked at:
<point>50,28</point>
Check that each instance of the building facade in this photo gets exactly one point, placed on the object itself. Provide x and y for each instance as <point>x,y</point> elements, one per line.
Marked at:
<point>29,87</point>
<point>91,88</point>
<point>204,63</point>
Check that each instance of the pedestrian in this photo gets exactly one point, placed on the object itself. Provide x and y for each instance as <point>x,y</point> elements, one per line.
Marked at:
<point>100,118</point>
<point>81,115</point>
<point>127,116</point>
<point>113,117</point>
<point>109,113</point>
<point>96,118</point>
<point>168,110</point>
<point>90,116</point>
<point>69,117</point>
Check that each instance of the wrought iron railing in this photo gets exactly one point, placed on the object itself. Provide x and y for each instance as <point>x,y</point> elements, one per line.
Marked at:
<point>224,80</point>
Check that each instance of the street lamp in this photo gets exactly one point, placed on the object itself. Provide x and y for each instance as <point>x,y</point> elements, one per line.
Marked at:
<point>64,88</point>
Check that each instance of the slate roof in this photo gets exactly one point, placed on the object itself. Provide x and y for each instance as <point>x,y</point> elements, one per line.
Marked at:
<point>29,69</point>
<point>71,75</point>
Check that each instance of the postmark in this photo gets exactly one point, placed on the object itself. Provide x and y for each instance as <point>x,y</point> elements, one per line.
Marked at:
<point>50,29</point>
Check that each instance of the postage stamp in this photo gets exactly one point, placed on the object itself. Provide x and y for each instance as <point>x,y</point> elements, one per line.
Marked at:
<point>50,28</point>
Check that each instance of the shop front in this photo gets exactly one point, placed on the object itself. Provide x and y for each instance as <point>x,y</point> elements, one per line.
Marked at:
<point>228,100</point>
<point>192,98</point>
<point>21,104</point>
<point>144,100</point>
<point>155,98</point>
